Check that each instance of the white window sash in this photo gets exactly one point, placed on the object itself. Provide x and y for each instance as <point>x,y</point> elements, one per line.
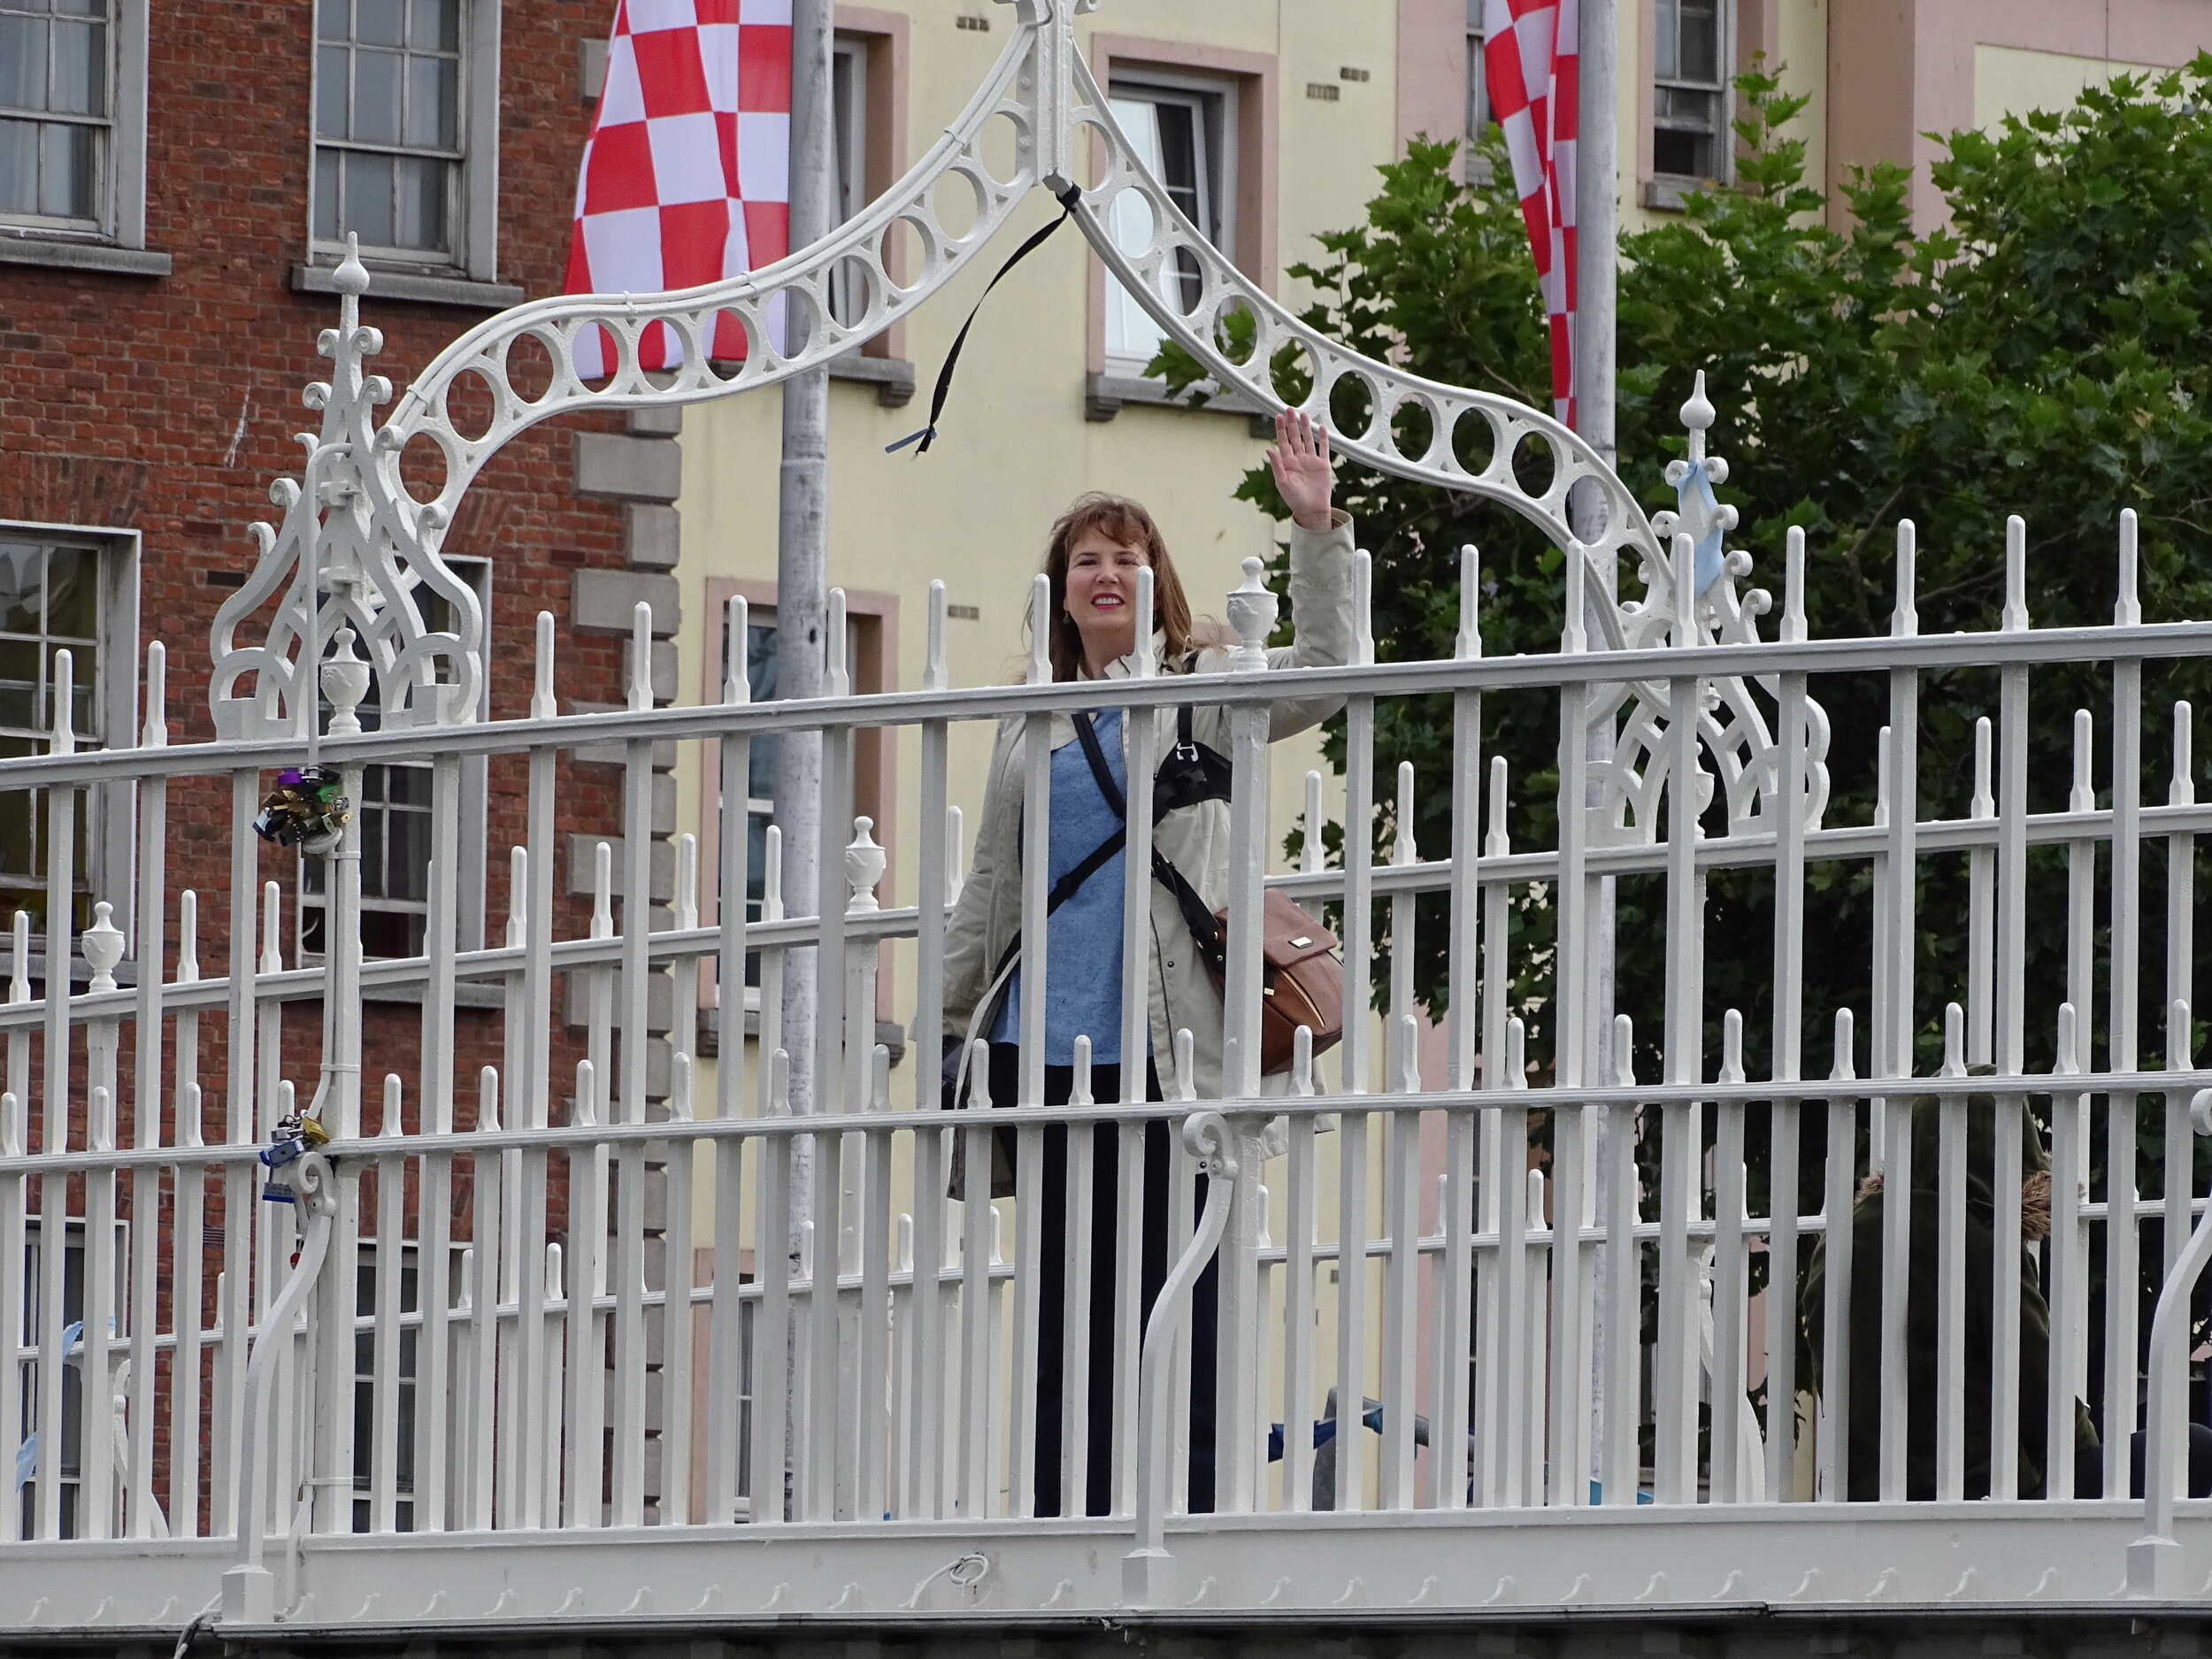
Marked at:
<point>1132,336</point>
<point>111,837</point>
<point>851,195</point>
<point>1720,90</point>
<point>473,196</point>
<point>120,213</point>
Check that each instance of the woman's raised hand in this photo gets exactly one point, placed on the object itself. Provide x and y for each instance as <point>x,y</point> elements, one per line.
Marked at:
<point>1304,473</point>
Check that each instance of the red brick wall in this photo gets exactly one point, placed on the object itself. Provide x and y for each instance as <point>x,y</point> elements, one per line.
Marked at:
<point>120,397</point>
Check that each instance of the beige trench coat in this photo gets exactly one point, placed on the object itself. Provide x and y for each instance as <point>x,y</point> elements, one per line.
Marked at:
<point>1195,839</point>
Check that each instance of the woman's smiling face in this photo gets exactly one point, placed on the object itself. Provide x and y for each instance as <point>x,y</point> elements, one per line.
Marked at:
<point>1102,595</point>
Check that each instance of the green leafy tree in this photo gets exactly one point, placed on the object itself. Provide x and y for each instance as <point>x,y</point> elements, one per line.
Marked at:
<point>2045,355</point>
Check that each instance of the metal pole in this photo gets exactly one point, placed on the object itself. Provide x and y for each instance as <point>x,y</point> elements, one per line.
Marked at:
<point>1597,230</point>
<point>1596,268</point>
<point>803,586</point>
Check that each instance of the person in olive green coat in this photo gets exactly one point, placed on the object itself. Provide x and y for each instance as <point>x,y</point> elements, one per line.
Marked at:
<point>1867,1281</point>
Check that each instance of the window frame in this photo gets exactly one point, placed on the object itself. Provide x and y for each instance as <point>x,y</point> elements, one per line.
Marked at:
<point>872,619</point>
<point>110,829</point>
<point>1477,115</point>
<point>1213,99</point>
<point>473,210</point>
<point>850,99</point>
<point>877,37</point>
<point>1250,203</point>
<point>1665,188</point>
<point>120,218</point>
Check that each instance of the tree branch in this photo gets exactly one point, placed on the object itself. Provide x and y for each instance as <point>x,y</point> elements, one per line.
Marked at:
<point>1851,559</point>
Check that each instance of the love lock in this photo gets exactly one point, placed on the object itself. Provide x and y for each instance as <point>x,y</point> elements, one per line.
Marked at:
<point>292,1140</point>
<point>304,809</point>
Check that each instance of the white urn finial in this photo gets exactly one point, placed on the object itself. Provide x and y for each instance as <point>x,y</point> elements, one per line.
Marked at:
<point>345,682</point>
<point>864,868</point>
<point>1253,609</point>
<point>103,945</point>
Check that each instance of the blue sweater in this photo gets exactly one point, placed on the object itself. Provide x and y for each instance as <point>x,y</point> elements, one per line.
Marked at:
<point>1083,937</point>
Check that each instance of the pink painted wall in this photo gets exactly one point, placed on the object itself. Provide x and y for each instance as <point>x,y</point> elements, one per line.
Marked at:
<point>1901,69</point>
<point>1432,69</point>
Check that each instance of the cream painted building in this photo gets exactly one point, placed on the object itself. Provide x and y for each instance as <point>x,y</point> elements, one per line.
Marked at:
<point>1269,117</point>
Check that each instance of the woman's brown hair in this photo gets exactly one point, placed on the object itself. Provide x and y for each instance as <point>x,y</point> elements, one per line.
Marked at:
<point>1131,526</point>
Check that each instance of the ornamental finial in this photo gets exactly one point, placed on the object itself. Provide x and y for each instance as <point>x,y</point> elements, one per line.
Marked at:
<point>102,946</point>
<point>864,868</point>
<point>1253,609</point>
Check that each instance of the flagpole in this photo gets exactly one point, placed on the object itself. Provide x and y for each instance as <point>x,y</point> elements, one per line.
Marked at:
<point>803,606</point>
<point>1597,257</point>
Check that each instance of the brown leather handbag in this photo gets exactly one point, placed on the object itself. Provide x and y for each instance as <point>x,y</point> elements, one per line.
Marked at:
<point>1301,979</point>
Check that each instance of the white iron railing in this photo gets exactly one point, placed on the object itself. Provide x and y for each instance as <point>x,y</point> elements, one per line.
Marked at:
<point>562,1377</point>
<point>504,1344</point>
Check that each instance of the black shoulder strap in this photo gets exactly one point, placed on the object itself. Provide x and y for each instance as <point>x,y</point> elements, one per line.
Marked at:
<point>928,433</point>
<point>1087,734</point>
<point>1196,916</point>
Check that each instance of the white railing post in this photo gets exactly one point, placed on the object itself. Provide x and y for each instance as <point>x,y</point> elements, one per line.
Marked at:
<point>1148,1572</point>
<point>150,902</point>
<point>2155,1560</point>
<point>1239,1444</point>
<point>249,1587</point>
<point>1792,811</point>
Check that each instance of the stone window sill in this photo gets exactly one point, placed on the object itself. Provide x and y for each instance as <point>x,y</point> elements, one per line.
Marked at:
<point>1666,193</point>
<point>407,285</point>
<point>1104,394</point>
<point>892,377</point>
<point>17,248</point>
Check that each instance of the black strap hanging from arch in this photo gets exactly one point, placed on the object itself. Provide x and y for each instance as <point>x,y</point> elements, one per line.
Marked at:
<point>1067,199</point>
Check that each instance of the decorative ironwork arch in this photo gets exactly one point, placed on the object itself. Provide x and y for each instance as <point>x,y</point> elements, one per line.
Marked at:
<point>354,529</point>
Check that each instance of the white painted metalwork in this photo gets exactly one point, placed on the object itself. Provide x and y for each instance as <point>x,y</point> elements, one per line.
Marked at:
<point>867,1407</point>
<point>911,1323</point>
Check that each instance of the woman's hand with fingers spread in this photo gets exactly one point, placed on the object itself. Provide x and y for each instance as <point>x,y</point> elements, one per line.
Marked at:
<point>1304,473</point>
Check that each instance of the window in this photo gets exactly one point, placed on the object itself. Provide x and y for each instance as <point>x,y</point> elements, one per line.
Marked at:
<point>760,782</point>
<point>394,811</point>
<point>1690,90</point>
<point>364,1413</point>
<point>70,1454</point>
<point>848,106</point>
<point>871,621</point>
<point>57,594</point>
<point>1182,130</point>
<point>69,1458</point>
<point>1477,77</point>
<point>57,112</point>
<point>388,123</point>
<point>407,132</point>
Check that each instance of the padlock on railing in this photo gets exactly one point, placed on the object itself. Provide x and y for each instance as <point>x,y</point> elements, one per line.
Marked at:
<point>305,810</point>
<point>293,1138</point>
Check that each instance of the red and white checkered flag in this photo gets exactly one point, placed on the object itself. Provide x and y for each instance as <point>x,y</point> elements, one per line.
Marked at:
<point>686,176</point>
<point>1529,61</point>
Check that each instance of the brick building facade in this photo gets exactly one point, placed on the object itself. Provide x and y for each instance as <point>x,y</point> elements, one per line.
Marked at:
<point>174,183</point>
